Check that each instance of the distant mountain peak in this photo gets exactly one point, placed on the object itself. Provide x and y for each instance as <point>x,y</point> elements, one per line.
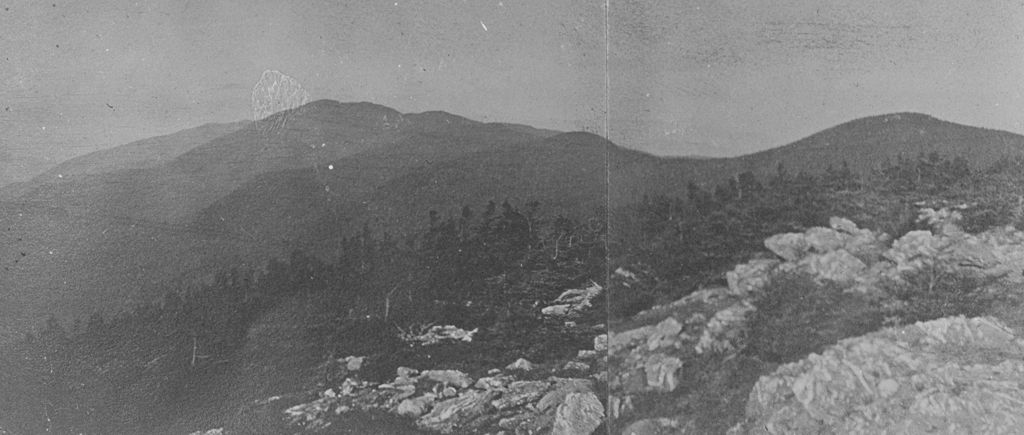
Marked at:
<point>901,117</point>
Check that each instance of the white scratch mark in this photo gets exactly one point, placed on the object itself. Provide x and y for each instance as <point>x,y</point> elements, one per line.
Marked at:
<point>483,25</point>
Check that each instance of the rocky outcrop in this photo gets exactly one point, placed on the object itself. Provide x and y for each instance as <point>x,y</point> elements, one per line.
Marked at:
<point>450,401</point>
<point>951,375</point>
<point>862,261</point>
<point>710,324</point>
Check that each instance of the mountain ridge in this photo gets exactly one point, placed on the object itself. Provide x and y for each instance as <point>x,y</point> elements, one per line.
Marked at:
<point>306,176</point>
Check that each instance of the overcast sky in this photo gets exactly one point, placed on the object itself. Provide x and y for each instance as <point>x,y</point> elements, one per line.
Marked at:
<point>704,77</point>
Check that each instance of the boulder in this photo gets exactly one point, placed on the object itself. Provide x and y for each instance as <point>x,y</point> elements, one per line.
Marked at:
<point>580,414</point>
<point>493,382</point>
<point>749,278</point>
<point>661,370</point>
<point>520,393</point>
<point>837,266</point>
<point>664,334</point>
<point>416,406</point>
<point>561,388</point>
<point>448,377</point>
<point>821,240</point>
<point>459,413</point>
<point>951,375</point>
<point>788,246</point>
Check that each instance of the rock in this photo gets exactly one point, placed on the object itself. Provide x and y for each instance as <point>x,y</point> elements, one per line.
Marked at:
<point>724,329</point>
<point>561,388</point>
<point>864,244</point>
<point>520,393</point>
<point>579,414</point>
<point>915,250</point>
<point>527,422</point>
<point>788,246</point>
<point>664,334</point>
<point>449,392</point>
<point>493,382</point>
<point>577,366</point>
<point>217,431</point>
<point>448,377</point>
<point>837,266</point>
<point>520,364</point>
<point>406,372</point>
<point>951,375</point>
<point>843,225</point>
<point>751,277</point>
<point>354,363</point>
<point>652,426</point>
<point>661,372</point>
<point>586,354</point>
<point>493,372</point>
<point>823,240</point>
<point>559,310</point>
<point>843,234</point>
<point>573,302</point>
<point>440,334</point>
<point>400,391</point>
<point>625,274</point>
<point>415,407</point>
<point>619,406</point>
<point>458,413</point>
<point>601,343</point>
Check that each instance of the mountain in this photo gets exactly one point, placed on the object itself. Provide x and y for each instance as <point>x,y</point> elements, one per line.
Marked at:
<point>124,226</point>
<point>98,239</point>
<point>867,143</point>
<point>142,154</point>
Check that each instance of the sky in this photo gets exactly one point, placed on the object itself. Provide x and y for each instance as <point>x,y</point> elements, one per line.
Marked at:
<point>671,77</point>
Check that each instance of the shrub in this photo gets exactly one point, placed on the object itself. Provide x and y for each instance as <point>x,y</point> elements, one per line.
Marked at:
<point>934,293</point>
<point>796,316</point>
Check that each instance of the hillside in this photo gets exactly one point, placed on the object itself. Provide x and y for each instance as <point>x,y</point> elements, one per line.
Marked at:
<point>142,154</point>
<point>128,234</point>
<point>306,177</point>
